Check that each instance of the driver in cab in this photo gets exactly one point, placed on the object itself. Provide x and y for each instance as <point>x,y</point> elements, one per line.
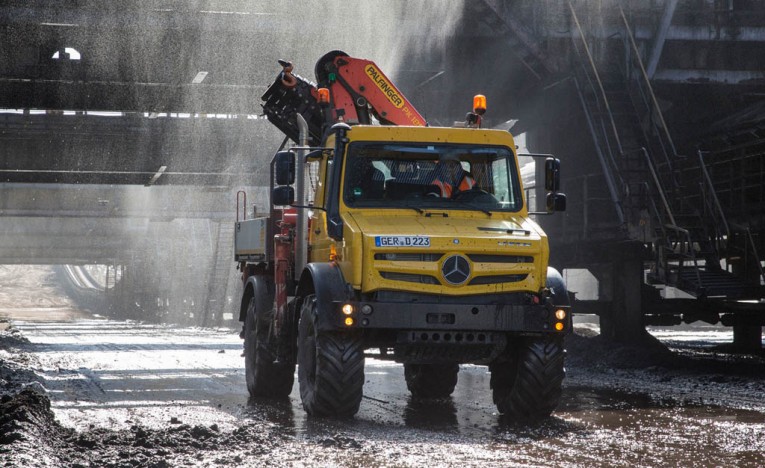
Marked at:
<point>450,177</point>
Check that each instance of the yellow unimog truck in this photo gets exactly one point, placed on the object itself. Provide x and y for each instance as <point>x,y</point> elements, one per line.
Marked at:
<point>389,238</point>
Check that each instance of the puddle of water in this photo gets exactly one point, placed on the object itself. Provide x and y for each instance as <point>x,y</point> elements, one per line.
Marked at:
<point>591,426</point>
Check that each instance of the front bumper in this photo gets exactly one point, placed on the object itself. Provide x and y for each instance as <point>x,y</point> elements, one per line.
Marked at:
<point>437,333</point>
<point>410,316</point>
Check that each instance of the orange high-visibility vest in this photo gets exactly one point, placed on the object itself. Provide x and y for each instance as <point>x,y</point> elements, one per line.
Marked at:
<point>446,189</point>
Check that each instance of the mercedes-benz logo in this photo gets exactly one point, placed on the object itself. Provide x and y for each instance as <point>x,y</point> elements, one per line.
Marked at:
<point>455,269</point>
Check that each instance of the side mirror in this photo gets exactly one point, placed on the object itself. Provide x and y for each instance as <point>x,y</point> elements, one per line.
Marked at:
<point>552,174</point>
<point>556,202</point>
<point>283,195</point>
<point>285,168</point>
<point>314,155</point>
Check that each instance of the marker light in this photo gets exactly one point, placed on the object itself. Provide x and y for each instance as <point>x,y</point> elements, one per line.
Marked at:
<point>348,321</point>
<point>558,325</point>
<point>366,309</point>
<point>323,95</point>
<point>560,314</point>
<point>332,253</point>
<point>479,104</point>
<point>347,309</point>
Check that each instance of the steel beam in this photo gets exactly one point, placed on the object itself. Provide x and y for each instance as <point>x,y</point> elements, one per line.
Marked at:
<point>705,77</point>
<point>661,36</point>
<point>125,96</point>
<point>156,203</point>
<point>521,42</point>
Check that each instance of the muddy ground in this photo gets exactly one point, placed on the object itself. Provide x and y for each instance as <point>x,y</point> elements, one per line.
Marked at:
<point>79,390</point>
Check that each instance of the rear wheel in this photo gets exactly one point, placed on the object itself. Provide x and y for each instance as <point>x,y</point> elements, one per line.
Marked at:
<point>431,380</point>
<point>527,384</point>
<point>264,377</point>
<point>330,367</point>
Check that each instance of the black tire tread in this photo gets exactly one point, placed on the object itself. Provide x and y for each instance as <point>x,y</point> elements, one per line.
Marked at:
<point>264,378</point>
<point>340,375</point>
<point>529,386</point>
<point>337,387</point>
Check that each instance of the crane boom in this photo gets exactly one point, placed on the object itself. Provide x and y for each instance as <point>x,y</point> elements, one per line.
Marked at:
<point>358,91</point>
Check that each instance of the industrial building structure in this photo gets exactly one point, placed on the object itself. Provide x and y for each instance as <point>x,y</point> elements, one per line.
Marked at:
<point>127,128</point>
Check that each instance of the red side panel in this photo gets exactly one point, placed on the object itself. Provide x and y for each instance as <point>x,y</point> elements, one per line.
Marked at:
<point>366,79</point>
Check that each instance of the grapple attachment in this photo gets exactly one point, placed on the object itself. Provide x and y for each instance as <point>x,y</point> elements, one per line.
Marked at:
<point>289,95</point>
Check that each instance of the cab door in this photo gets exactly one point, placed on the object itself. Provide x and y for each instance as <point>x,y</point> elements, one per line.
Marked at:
<point>318,240</point>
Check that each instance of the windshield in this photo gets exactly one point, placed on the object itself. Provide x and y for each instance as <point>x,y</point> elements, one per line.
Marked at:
<point>427,176</point>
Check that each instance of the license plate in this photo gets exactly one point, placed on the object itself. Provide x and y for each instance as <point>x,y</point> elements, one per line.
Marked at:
<point>402,241</point>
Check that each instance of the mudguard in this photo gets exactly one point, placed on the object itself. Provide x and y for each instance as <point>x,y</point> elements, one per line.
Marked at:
<point>327,282</point>
<point>260,286</point>
<point>557,287</point>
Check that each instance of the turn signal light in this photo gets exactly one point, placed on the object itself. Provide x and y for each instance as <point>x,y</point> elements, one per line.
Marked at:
<point>560,314</point>
<point>332,253</point>
<point>558,326</point>
<point>479,104</point>
<point>348,321</point>
<point>347,309</point>
<point>323,95</point>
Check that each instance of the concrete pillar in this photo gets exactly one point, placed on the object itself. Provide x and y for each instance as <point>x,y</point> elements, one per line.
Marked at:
<point>747,337</point>
<point>624,322</point>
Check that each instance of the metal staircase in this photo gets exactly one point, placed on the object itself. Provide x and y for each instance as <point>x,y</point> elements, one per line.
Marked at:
<point>657,196</point>
<point>519,40</point>
<point>220,274</point>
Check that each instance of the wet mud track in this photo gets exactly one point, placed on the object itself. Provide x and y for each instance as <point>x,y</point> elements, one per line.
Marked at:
<point>128,394</point>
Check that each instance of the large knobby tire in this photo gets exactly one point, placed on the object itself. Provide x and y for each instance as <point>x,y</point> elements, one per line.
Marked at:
<point>431,380</point>
<point>264,377</point>
<point>330,367</point>
<point>528,384</point>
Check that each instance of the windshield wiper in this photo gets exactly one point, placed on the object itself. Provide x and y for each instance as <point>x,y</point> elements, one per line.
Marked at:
<point>418,210</point>
<point>476,207</point>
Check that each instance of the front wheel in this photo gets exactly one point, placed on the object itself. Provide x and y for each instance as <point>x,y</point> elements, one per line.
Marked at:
<point>264,377</point>
<point>330,367</point>
<point>431,380</point>
<point>527,384</point>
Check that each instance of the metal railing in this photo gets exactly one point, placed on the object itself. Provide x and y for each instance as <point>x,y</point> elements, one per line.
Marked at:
<point>656,132</point>
<point>685,248</point>
<point>599,131</point>
<point>612,156</point>
<point>655,108</point>
<point>609,169</point>
<point>712,206</point>
<point>586,201</point>
<point>657,185</point>
<point>756,258</point>
<point>597,77</point>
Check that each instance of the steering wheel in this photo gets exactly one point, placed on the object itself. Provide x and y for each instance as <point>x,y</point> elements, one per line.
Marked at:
<point>473,194</point>
<point>432,191</point>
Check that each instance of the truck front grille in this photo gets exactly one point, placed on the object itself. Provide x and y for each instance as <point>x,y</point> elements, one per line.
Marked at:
<point>497,279</point>
<point>409,277</point>
<point>483,258</point>
<point>409,257</point>
<point>485,268</point>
